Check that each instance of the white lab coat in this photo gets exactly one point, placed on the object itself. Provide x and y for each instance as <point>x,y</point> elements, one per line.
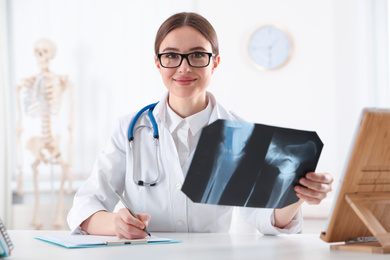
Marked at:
<point>170,209</point>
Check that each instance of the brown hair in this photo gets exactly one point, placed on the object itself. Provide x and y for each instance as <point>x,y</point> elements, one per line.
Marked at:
<point>194,20</point>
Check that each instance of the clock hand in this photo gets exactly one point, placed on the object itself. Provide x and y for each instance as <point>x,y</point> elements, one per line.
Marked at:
<point>273,44</point>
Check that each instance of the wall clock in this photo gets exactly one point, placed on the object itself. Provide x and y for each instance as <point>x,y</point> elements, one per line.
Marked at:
<point>270,47</point>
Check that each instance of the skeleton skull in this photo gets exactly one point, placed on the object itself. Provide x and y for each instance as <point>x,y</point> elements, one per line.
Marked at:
<point>44,50</point>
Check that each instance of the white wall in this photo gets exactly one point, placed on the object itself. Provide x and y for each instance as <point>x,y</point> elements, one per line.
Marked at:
<point>5,165</point>
<point>106,48</point>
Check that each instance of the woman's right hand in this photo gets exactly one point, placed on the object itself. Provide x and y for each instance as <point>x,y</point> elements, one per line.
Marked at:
<point>128,227</point>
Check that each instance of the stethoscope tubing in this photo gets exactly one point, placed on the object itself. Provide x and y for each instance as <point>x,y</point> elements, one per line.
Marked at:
<point>152,120</point>
<point>156,137</point>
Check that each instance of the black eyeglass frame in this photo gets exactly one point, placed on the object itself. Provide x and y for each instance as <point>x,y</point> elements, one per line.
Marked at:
<point>186,57</point>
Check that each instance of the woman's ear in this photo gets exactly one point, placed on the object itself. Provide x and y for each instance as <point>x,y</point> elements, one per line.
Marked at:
<point>157,63</point>
<point>216,61</point>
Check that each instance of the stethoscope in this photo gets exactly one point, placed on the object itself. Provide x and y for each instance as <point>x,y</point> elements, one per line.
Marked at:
<point>155,135</point>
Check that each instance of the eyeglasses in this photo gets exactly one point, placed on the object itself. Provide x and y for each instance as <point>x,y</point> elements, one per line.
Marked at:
<point>194,59</point>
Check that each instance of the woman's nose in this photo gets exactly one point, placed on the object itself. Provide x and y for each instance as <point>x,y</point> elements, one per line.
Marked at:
<point>184,66</point>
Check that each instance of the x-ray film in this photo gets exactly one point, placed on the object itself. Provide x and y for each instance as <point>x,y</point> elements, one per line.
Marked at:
<point>250,165</point>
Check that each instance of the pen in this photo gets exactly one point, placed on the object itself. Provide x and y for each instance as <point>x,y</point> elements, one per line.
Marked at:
<point>127,205</point>
<point>127,242</point>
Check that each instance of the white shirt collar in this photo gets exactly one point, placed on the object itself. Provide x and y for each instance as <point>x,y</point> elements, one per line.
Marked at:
<point>196,122</point>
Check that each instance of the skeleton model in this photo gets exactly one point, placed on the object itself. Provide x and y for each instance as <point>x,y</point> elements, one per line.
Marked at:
<point>41,96</point>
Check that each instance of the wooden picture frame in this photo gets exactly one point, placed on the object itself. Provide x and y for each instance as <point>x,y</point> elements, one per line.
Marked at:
<point>361,213</point>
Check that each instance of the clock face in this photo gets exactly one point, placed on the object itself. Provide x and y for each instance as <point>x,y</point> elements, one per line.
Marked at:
<point>270,47</point>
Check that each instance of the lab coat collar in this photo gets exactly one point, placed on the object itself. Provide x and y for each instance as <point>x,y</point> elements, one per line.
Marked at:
<point>160,111</point>
<point>218,112</point>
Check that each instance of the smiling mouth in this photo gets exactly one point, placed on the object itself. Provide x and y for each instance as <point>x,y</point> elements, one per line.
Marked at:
<point>185,81</point>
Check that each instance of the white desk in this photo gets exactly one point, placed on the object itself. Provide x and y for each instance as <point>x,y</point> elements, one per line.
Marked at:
<point>199,246</point>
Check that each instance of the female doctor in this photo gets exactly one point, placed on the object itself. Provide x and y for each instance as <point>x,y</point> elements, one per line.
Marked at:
<point>150,176</point>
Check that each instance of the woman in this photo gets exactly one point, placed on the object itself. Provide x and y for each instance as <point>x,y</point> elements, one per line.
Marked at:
<point>186,48</point>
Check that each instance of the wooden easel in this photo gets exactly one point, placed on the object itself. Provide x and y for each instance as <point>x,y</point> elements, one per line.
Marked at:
<point>361,204</point>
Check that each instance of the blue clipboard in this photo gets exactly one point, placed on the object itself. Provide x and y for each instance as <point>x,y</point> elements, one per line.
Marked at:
<point>84,241</point>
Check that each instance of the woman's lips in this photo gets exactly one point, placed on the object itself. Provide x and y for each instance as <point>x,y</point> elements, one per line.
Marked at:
<point>184,81</point>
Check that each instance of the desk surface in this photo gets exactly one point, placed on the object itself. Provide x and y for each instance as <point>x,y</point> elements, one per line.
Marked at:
<point>193,246</point>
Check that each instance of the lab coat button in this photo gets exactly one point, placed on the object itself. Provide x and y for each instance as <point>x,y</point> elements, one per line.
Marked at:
<point>178,186</point>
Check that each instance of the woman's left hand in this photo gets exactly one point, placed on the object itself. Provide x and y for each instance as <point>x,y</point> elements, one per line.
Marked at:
<point>316,187</point>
